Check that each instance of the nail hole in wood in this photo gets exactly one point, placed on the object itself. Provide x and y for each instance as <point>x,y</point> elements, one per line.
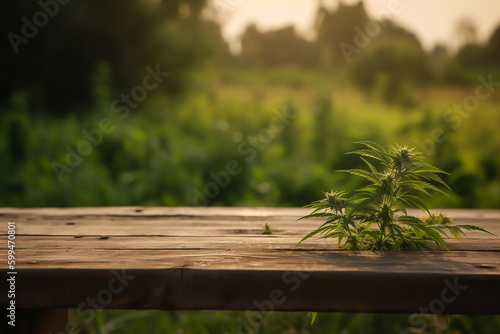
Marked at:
<point>485,266</point>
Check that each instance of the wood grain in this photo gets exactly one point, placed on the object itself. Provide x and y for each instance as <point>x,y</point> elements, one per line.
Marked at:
<point>217,258</point>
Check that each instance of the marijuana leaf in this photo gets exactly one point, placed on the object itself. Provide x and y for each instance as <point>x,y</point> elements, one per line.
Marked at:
<point>397,176</point>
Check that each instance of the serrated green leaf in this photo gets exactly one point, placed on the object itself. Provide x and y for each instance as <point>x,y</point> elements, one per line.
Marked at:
<point>398,176</point>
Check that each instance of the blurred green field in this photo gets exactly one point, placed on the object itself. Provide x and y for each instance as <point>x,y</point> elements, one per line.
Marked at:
<point>238,322</point>
<point>164,152</point>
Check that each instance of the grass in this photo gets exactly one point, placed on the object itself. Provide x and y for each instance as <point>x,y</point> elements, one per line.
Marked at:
<point>190,137</point>
<point>266,229</point>
<point>236,322</point>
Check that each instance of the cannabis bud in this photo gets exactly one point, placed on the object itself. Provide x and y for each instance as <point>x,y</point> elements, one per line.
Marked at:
<point>375,216</point>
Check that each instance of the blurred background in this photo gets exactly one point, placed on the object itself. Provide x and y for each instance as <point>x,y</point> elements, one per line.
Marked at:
<point>145,102</point>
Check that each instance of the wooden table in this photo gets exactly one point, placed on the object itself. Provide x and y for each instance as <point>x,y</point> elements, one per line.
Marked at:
<point>176,258</point>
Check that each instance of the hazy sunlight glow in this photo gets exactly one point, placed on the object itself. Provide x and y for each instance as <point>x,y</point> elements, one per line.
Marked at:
<point>432,21</point>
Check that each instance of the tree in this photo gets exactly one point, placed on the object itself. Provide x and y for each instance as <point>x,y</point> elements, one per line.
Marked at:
<point>466,31</point>
<point>393,61</point>
<point>492,49</point>
<point>55,66</point>
<point>336,27</point>
<point>277,47</point>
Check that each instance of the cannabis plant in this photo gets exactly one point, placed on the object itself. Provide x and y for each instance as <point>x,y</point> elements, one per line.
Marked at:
<point>375,216</point>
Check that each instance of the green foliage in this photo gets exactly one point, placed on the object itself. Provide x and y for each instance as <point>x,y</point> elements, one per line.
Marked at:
<point>396,182</point>
<point>475,56</point>
<point>234,322</point>
<point>266,229</point>
<point>56,67</point>
<point>390,66</point>
<point>336,27</point>
<point>313,316</point>
<point>288,48</point>
<point>165,149</point>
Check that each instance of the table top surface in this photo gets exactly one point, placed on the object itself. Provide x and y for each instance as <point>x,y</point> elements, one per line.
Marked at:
<point>218,258</point>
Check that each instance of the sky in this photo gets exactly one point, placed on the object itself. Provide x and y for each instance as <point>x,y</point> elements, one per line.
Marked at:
<point>433,21</point>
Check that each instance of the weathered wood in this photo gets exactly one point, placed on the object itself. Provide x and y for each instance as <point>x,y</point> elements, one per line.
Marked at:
<point>217,258</point>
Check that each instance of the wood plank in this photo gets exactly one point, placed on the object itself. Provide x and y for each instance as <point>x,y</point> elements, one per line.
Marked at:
<point>217,258</point>
<point>233,242</point>
<point>240,212</point>
<point>182,226</point>
<point>130,225</point>
<point>265,259</point>
<point>330,290</point>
